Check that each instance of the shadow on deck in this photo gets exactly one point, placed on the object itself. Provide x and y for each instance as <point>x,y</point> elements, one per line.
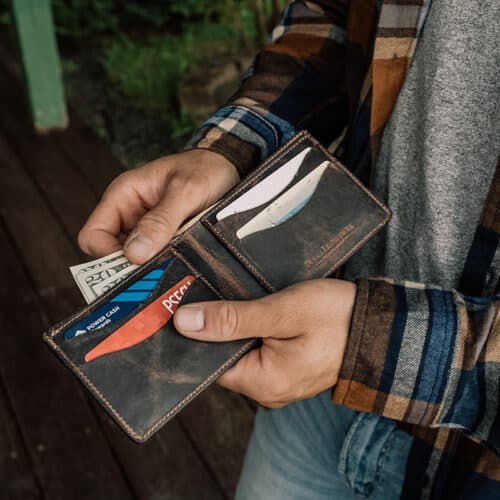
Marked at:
<point>55,441</point>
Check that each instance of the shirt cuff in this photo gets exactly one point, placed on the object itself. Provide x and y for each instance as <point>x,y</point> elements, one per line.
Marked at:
<point>400,351</point>
<point>245,136</point>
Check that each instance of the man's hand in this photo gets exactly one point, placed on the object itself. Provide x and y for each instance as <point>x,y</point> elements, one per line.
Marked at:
<point>304,331</point>
<point>142,208</point>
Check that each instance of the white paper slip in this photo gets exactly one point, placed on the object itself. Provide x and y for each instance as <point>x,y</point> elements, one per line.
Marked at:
<point>290,203</point>
<point>266,189</point>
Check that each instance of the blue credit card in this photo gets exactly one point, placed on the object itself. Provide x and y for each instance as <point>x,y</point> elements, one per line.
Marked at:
<point>119,306</point>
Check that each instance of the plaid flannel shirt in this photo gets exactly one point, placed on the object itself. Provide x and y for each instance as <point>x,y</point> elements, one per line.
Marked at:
<point>424,356</point>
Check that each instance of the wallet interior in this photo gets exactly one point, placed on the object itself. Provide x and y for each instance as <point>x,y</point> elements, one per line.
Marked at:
<point>302,224</point>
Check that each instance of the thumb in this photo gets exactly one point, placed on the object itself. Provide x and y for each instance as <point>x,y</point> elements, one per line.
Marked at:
<point>222,321</point>
<point>156,228</point>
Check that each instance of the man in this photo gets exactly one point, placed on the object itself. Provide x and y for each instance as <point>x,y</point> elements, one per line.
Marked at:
<point>409,91</point>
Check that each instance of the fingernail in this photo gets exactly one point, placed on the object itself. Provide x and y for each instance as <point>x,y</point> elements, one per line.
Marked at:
<point>190,319</point>
<point>139,248</point>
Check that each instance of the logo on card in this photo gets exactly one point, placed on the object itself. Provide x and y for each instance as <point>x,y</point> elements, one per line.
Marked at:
<point>145,323</point>
<point>119,306</point>
<point>175,298</point>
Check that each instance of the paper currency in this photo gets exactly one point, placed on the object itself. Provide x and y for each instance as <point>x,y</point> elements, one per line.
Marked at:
<point>90,275</point>
<point>96,277</point>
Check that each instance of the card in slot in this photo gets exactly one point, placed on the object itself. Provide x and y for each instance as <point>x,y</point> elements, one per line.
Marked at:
<point>120,305</point>
<point>266,189</point>
<point>290,203</point>
<point>145,323</point>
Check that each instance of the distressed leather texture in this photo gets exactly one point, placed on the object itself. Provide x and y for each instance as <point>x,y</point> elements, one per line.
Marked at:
<point>145,385</point>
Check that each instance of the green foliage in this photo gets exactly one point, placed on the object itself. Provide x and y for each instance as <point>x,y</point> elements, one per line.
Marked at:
<point>77,18</point>
<point>148,70</point>
<point>147,46</point>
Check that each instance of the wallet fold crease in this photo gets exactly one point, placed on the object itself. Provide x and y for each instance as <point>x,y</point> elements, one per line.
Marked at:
<point>301,230</point>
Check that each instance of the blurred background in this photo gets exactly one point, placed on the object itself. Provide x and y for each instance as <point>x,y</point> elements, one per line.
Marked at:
<point>87,89</point>
<point>144,73</point>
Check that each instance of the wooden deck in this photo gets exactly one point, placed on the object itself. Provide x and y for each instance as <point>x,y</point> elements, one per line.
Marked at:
<point>56,443</point>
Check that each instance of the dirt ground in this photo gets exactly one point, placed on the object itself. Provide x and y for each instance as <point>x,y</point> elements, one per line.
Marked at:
<point>134,135</point>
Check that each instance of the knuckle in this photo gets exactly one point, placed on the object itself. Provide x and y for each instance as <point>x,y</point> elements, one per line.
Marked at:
<point>118,182</point>
<point>192,185</point>
<point>178,182</point>
<point>227,321</point>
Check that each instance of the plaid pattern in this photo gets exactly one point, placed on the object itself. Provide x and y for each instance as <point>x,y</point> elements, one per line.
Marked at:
<point>424,356</point>
<point>297,82</point>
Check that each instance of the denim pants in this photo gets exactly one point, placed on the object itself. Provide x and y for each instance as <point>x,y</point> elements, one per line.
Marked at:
<point>314,450</point>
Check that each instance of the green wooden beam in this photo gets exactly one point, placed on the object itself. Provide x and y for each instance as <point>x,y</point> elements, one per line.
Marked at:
<point>42,69</point>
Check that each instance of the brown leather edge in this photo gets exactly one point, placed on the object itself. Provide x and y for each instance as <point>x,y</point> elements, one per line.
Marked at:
<point>297,139</point>
<point>48,337</point>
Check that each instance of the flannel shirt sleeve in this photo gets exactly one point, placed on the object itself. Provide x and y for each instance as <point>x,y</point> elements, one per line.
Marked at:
<point>296,82</point>
<point>424,355</point>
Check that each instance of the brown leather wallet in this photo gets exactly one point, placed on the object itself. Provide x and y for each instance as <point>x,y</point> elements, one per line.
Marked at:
<point>298,216</point>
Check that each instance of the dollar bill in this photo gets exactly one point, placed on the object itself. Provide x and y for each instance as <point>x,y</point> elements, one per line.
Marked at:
<point>91,274</point>
<point>98,276</point>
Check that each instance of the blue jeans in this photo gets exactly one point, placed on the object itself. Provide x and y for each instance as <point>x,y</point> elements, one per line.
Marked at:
<point>314,450</point>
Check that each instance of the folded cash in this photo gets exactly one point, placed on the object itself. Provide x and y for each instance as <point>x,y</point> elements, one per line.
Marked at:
<point>96,277</point>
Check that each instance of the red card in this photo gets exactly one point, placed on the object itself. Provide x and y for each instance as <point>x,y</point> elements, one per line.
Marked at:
<point>144,324</point>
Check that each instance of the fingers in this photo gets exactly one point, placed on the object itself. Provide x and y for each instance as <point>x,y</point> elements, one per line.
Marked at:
<point>259,376</point>
<point>145,206</point>
<point>115,215</point>
<point>180,199</point>
<point>102,234</point>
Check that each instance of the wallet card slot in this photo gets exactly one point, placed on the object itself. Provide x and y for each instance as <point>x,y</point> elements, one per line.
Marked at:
<point>305,232</point>
<point>163,373</point>
<point>172,284</point>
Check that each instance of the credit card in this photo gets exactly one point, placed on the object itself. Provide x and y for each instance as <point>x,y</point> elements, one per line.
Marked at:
<point>120,305</point>
<point>266,189</point>
<point>145,323</point>
<point>290,203</point>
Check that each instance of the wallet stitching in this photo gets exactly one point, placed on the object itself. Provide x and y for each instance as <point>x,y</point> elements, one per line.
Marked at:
<point>208,380</point>
<point>49,336</point>
<point>244,260</point>
<point>303,136</point>
<point>54,330</point>
<point>332,245</point>
<point>199,388</point>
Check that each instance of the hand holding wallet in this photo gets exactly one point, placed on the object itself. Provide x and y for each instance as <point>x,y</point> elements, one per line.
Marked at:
<point>298,216</point>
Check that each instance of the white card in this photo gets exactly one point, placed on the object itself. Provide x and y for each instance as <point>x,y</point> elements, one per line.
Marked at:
<point>266,189</point>
<point>290,203</point>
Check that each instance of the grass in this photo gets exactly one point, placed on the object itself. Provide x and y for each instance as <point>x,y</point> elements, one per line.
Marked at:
<point>148,70</point>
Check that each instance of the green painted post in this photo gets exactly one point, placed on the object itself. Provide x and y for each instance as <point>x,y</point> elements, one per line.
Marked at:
<point>42,69</point>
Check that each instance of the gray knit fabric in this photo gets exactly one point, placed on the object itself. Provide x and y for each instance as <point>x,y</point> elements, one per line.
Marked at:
<point>440,148</point>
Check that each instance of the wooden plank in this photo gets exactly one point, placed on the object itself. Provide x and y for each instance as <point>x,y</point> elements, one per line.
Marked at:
<point>165,466</point>
<point>37,234</point>
<point>42,70</point>
<point>89,154</point>
<point>66,447</point>
<point>64,188</point>
<point>17,480</point>
<point>210,432</point>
